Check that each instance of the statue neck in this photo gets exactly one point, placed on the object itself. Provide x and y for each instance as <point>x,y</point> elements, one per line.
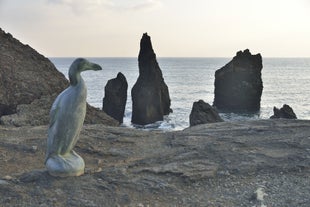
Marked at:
<point>74,76</point>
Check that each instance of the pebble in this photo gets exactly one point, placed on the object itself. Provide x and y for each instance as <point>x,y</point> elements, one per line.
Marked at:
<point>34,148</point>
<point>3,182</point>
<point>7,177</point>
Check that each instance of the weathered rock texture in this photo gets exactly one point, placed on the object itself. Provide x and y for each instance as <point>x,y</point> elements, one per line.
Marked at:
<point>25,75</point>
<point>150,95</point>
<point>203,113</point>
<point>29,83</point>
<point>115,97</point>
<point>285,112</point>
<point>218,164</point>
<point>238,85</point>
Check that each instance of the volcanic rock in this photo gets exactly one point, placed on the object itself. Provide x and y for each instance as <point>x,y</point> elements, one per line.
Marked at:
<point>203,113</point>
<point>285,112</point>
<point>29,83</point>
<point>25,75</point>
<point>238,85</point>
<point>217,164</point>
<point>150,95</point>
<point>115,97</point>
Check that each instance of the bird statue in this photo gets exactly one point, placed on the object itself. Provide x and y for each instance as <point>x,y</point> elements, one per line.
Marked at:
<point>66,120</point>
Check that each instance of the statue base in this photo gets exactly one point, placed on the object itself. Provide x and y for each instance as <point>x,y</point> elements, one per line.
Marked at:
<point>70,164</point>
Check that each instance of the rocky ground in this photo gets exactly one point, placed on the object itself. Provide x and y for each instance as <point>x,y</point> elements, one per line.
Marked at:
<point>256,163</point>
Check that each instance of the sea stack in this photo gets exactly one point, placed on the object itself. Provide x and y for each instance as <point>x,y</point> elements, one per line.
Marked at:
<point>203,113</point>
<point>115,97</point>
<point>238,85</point>
<point>150,95</point>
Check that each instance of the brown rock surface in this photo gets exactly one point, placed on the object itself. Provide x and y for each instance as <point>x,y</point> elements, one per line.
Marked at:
<point>25,75</point>
<point>220,164</point>
<point>29,83</point>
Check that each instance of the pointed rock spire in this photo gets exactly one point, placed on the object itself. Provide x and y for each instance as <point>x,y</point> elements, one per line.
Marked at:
<point>150,95</point>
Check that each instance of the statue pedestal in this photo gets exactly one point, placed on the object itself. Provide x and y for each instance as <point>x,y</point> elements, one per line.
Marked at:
<point>70,164</point>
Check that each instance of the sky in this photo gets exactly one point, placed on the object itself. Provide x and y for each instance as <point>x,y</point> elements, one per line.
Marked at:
<point>178,28</point>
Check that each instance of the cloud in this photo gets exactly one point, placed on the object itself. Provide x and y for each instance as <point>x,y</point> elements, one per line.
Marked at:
<point>82,6</point>
<point>133,4</point>
<point>79,6</point>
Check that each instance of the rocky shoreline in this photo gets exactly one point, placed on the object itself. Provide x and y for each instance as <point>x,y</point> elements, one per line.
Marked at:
<point>253,163</point>
<point>250,163</point>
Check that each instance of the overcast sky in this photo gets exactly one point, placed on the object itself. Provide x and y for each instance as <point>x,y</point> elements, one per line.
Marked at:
<point>178,28</point>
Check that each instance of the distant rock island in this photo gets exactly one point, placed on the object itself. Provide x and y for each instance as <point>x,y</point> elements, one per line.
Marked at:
<point>150,94</point>
<point>238,85</point>
<point>29,84</point>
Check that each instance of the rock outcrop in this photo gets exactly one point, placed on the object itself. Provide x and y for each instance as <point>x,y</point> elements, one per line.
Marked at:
<point>238,85</point>
<point>150,95</point>
<point>218,164</point>
<point>29,83</point>
<point>286,112</point>
<point>115,97</point>
<point>203,113</point>
<point>25,75</point>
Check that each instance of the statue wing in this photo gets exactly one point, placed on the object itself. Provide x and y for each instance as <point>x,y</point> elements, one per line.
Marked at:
<point>54,111</point>
<point>51,131</point>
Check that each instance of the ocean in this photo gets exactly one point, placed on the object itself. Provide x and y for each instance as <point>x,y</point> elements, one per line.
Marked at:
<point>285,81</point>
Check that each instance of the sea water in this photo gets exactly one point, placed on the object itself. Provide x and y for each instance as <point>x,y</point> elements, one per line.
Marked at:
<point>285,81</point>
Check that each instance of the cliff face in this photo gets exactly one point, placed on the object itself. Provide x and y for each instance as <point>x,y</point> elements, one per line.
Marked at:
<point>25,75</point>
<point>216,164</point>
<point>238,85</point>
<point>150,94</point>
<point>29,83</point>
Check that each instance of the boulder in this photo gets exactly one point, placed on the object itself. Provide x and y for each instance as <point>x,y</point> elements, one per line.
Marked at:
<point>29,83</point>
<point>203,113</point>
<point>150,95</point>
<point>115,97</point>
<point>285,112</point>
<point>238,85</point>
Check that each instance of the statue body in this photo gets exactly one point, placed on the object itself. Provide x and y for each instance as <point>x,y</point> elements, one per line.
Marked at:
<point>66,120</point>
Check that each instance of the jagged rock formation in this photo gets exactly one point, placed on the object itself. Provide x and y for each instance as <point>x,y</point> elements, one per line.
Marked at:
<point>29,82</point>
<point>115,97</point>
<point>150,95</point>
<point>217,164</point>
<point>203,113</point>
<point>285,112</point>
<point>238,85</point>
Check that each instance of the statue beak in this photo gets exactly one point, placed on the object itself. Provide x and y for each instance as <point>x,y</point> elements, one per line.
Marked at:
<point>95,66</point>
<point>92,66</point>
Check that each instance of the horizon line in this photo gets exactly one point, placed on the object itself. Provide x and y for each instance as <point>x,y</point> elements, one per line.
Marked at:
<point>297,57</point>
